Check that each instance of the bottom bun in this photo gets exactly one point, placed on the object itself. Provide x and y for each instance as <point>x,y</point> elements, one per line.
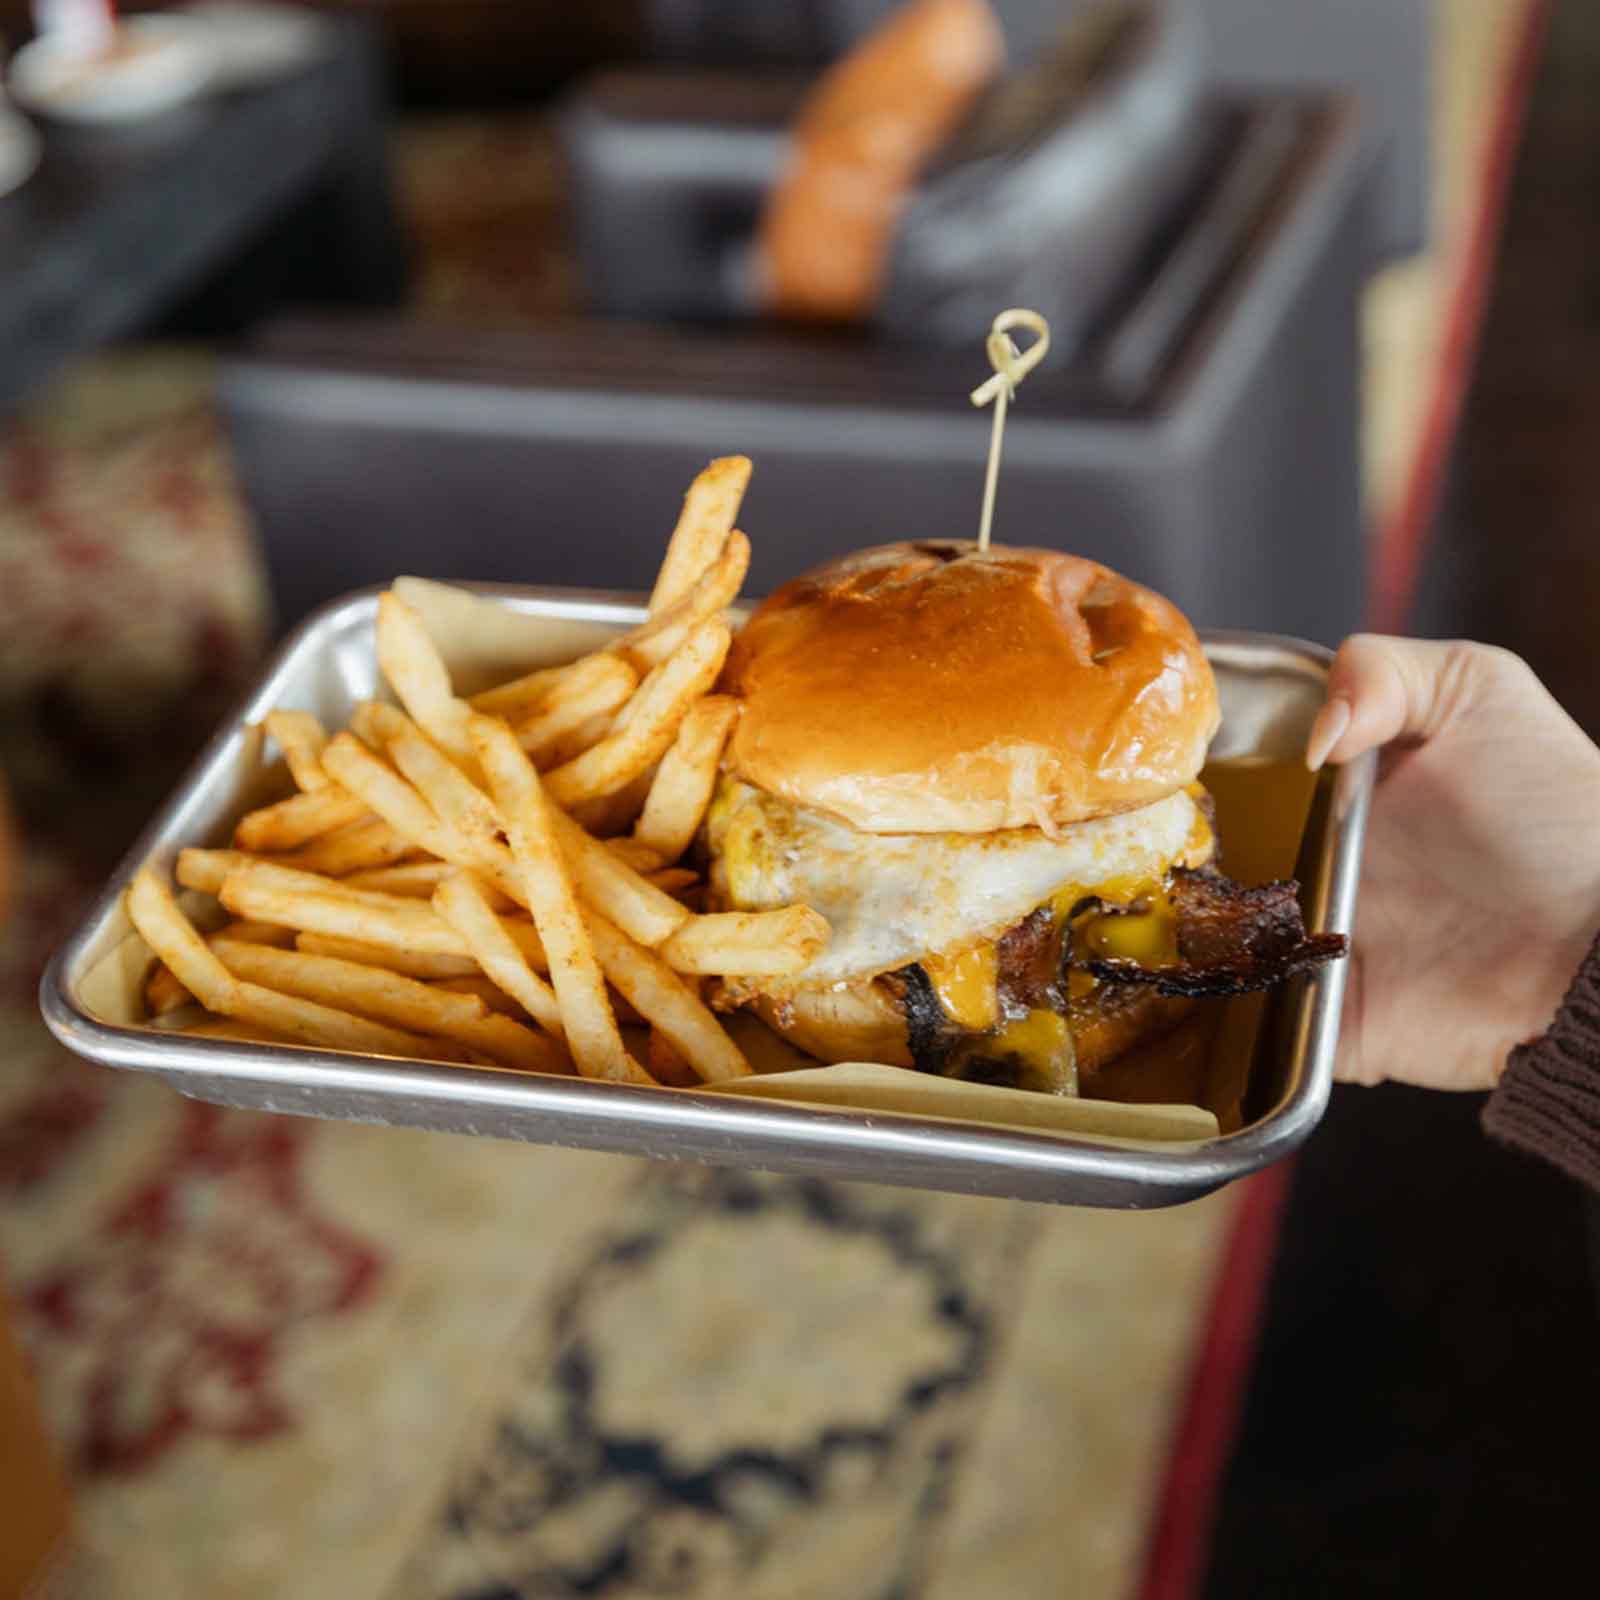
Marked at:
<point>867,1022</point>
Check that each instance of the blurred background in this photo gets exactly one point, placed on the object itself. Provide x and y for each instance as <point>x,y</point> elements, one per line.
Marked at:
<point>293,298</point>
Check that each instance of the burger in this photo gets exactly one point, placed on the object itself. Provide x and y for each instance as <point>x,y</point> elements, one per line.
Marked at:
<point>982,767</point>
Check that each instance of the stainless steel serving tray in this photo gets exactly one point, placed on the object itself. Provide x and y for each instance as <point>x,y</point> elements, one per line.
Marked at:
<point>1270,690</point>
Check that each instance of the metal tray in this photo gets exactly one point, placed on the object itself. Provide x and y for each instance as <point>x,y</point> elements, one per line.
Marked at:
<point>1270,690</point>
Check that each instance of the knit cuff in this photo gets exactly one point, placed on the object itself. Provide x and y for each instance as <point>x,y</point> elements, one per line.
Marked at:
<point>1548,1102</point>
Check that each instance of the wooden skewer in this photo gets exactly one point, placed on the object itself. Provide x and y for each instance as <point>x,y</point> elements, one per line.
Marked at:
<point>1011,366</point>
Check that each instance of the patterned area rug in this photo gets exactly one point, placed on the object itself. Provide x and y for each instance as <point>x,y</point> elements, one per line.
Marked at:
<point>290,1359</point>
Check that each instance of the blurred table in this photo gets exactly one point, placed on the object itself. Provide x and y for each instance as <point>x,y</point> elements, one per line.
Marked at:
<point>284,185</point>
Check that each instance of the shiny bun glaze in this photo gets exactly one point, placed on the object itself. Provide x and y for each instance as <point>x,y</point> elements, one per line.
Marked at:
<point>931,687</point>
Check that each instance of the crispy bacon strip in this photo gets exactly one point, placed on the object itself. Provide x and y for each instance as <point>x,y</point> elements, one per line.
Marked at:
<point>1231,939</point>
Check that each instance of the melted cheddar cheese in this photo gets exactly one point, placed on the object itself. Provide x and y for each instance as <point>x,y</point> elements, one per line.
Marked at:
<point>967,986</point>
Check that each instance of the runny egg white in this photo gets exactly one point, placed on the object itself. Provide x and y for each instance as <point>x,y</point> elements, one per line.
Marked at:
<point>892,899</point>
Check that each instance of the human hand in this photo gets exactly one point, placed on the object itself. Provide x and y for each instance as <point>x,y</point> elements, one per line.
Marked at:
<point>1480,888</point>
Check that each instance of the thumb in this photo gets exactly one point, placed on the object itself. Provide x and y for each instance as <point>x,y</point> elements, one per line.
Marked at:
<point>1381,688</point>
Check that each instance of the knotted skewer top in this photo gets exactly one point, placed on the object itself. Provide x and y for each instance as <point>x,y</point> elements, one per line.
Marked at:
<point>1011,366</point>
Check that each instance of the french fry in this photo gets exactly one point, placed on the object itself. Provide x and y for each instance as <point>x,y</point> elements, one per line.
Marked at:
<point>164,927</point>
<point>163,993</point>
<point>652,642</point>
<point>461,901</point>
<point>388,997</point>
<point>667,1063</point>
<point>246,932</point>
<point>205,869</point>
<point>300,737</point>
<point>521,696</point>
<point>591,1029</point>
<point>300,818</point>
<point>636,855</point>
<point>643,912</point>
<point>315,905</point>
<point>710,509</point>
<point>673,880</point>
<point>747,943</point>
<point>678,798</point>
<point>227,1028</point>
<point>410,662</point>
<point>295,880</point>
<point>349,762</point>
<point>487,990</point>
<point>588,732</point>
<point>410,815</point>
<point>172,936</point>
<point>370,723</point>
<point>376,992</point>
<point>612,816</point>
<point>662,701</point>
<point>664,1000</point>
<point>604,683</point>
<point>360,847</point>
<point>415,879</point>
<point>309,1022</point>
<point>456,800</point>
<point>330,910</point>
<point>395,958</point>
<point>622,1009</point>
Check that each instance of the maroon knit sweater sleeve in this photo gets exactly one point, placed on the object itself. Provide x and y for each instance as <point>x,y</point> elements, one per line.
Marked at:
<point>1548,1102</point>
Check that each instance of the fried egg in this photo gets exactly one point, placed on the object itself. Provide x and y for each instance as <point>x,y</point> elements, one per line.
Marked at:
<point>892,899</point>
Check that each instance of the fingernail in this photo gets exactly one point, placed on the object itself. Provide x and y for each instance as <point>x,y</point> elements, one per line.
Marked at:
<point>1326,732</point>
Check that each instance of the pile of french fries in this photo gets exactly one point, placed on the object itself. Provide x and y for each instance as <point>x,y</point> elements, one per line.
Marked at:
<point>496,880</point>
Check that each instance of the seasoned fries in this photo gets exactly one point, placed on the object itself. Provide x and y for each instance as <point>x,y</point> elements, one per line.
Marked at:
<point>709,511</point>
<point>663,700</point>
<point>391,957</point>
<point>428,893</point>
<point>300,737</point>
<point>389,997</point>
<point>591,1028</point>
<point>748,943</point>
<point>652,642</point>
<point>205,869</point>
<point>631,853</point>
<point>412,818</point>
<point>307,1022</point>
<point>172,936</point>
<point>457,802</point>
<point>312,905</point>
<point>490,993</point>
<point>417,879</point>
<point>415,673</point>
<point>372,843</point>
<point>683,783</point>
<point>663,999</point>
<point>298,819</point>
<point>351,763</point>
<point>589,691</point>
<point>522,696</point>
<point>666,1063</point>
<point>163,993</point>
<point>462,901</point>
<point>614,889</point>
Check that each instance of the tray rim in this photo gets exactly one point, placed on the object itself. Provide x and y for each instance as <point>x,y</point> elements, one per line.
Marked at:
<point>740,1126</point>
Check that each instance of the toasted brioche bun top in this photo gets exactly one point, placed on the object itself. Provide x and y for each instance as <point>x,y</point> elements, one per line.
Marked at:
<point>931,687</point>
